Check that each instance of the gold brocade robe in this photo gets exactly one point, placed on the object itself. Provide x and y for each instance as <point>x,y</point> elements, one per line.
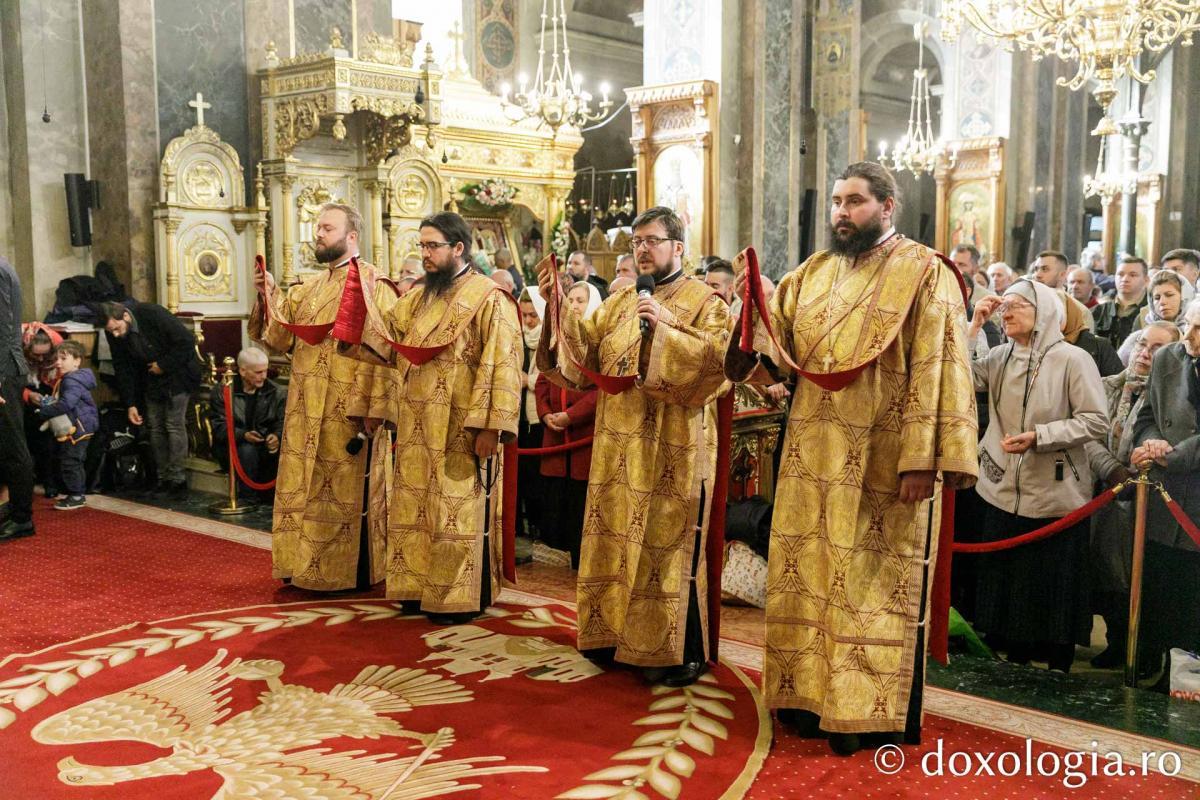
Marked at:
<point>319,488</point>
<point>438,501</point>
<point>846,562</point>
<point>653,457</point>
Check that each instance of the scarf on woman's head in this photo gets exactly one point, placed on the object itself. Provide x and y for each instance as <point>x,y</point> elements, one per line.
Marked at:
<point>1076,316</point>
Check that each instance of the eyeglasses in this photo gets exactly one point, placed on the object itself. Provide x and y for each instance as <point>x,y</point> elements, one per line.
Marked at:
<point>1013,305</point>
<point>431,246</point>
<point>650,241</point>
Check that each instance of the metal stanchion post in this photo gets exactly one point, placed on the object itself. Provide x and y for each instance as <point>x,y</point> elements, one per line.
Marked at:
<point>230,507</point>
<point>1135,579</point>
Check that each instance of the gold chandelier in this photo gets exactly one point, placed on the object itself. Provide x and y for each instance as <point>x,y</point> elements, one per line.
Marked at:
<point>918,151</point>
<point>557,94</point>
<point>1105,37</point>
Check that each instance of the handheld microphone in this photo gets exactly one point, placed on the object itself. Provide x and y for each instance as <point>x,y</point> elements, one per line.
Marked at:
<point>645,288</point>
<point>355,445</point>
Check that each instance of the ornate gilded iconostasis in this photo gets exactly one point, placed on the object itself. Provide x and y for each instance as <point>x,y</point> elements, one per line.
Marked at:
<point>400,140</point>
<point>675,144</point>
<point>203,236</point>
<point>970,199</point>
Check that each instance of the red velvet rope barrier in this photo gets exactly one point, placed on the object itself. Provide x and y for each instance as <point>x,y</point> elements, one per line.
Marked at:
<point>556,448</point>
<point>1083,512</point>
<point>1188,526</point>
<point>234,463</point>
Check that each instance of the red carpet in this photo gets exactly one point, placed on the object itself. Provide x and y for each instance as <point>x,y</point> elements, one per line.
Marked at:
<point>800,768</point>
<point>87,571</point>
<point>342,698</point>
<point>92,571</point>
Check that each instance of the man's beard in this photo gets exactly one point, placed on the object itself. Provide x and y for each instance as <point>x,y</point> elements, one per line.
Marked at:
<point>439,280</point>
<point>657,271</point>
<point>857,240</point>
<point>330,252</point>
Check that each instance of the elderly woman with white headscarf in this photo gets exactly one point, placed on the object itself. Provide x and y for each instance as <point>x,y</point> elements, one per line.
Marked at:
<point>530,488</point>
<point>1045,402</point>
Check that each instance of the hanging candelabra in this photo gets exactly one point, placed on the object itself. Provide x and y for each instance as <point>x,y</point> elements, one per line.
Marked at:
<point>557,96</point>
<point>918,151</point>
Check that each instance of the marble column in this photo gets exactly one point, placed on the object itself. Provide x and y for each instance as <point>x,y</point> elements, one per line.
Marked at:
<point>39,46</point>
<point>263,21</point>
<point>122,135</point>
<point>836,52</point>
<point>1182,163</point>
<point>1047,157</point>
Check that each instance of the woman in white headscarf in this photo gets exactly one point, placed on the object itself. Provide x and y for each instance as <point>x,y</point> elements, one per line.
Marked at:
<point>530,486</point>
<point>1046,402</point>
<point>567,416</point>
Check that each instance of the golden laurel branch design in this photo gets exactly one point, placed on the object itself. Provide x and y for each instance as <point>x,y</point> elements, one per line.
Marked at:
<point>53,678</point>
<point>689,715</point>
<point>536,617</point>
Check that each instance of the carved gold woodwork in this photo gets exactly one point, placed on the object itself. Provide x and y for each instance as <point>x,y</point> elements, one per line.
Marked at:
<point>605,255</point>
<point>389,164</point>
<point>207,252</point>
<point>203,233</point>
<point>757,428</point>
<point>386,50</point>
<point>675,146</point>
<point>298,92</point>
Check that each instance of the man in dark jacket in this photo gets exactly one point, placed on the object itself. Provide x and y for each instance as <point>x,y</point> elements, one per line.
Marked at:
<point>1167,439</point>
<point>258,409</point>
<point>1122,314</point>
<point>157,369</point>
<point>16,468</point>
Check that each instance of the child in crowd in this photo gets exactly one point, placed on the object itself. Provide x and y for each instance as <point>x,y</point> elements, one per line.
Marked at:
<point>73,398</point>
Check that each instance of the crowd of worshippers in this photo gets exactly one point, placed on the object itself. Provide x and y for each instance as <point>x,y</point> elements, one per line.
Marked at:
<point>1073,402</point>
<point>1104,383</point>
<point>139,440</point>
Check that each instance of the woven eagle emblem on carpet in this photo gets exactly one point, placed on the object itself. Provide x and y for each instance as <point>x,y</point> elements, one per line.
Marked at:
<point>270,750</point>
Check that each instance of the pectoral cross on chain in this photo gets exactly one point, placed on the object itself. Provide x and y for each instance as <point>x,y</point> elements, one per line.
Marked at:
<point>828,360</point>
<point>199,105</point>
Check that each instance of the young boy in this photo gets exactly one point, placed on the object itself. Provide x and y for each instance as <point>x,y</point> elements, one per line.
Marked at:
<point>73,398</point>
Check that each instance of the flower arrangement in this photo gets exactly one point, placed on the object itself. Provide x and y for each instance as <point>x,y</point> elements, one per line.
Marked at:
<point>493,193</point>
<point>560,243</point>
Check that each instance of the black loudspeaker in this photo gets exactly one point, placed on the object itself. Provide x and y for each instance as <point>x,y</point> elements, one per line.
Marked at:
<point>1021,237</point>
<point>807,221</point>
<point>81,198</point>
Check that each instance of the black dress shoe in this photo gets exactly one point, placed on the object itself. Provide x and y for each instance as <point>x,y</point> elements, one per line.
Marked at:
<point>803,723</point>
<point>1113,656</point>
<point>11,529</point>
<point>654,674</point>
<point>685,674</point>
<point>410,606</point>
<point>600,655</point>
<point>459,618</point>
<point>844,744</point>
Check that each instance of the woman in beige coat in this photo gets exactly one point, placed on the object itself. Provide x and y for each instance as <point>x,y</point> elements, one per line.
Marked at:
<point>1045,402</point>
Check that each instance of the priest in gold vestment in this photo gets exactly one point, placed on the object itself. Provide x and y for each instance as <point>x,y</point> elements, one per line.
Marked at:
<point>458,369</point>
<point>642,587</point>
<point>883,413</point>
<point>320,491</point>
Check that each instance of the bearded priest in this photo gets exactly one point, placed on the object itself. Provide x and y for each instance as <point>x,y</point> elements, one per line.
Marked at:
<point>321,536</point>
<point>455,343</point>
<point>883,415</point>
<point>655,351</point>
